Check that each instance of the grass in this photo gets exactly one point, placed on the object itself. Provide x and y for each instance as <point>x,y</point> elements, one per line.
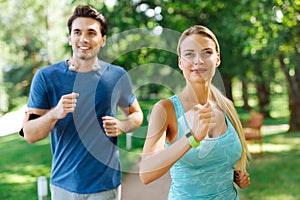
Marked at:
<point>275,177</point>
<point>20,166</point>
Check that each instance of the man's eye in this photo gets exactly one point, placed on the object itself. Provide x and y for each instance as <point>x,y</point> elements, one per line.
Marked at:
<point>92,33</point>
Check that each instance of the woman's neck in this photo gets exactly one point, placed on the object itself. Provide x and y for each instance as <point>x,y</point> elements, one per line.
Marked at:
<point>196,93</point>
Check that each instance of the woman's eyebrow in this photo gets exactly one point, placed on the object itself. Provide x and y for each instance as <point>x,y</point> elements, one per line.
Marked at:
<point>189,50</point>
<point>208,48</point>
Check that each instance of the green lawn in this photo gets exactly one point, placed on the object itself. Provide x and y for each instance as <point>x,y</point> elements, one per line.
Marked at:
<point>275,177</point>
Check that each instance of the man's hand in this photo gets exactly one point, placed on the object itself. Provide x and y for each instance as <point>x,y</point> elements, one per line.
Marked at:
<point>241,178</point>
<point>66,104</point>
<point>111,126</point>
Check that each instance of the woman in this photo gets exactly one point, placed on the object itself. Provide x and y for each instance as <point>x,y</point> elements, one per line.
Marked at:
<point>196,134</point>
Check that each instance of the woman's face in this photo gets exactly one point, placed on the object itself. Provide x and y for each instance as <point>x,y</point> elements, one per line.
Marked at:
<point>198,58</point>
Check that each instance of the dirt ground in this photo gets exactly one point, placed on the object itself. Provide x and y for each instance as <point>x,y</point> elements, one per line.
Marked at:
<point>134,189</point>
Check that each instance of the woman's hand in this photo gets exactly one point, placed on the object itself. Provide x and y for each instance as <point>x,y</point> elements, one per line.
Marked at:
<point>201,118</point>
<point>241,178</point>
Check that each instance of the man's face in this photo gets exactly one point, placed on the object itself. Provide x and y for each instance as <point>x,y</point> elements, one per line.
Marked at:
<point>86,38</point>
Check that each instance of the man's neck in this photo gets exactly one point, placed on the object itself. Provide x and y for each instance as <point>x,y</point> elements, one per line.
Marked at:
<point>84,65</point>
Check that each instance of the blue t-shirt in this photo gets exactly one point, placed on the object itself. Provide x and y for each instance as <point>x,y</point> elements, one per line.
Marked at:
<point>85,160</point>
<point>207,171</point>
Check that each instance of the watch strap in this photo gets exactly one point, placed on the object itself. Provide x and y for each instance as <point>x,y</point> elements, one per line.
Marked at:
<point>191,139</point>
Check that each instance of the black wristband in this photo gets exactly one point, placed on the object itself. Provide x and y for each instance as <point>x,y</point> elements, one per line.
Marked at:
<point>30,117</point>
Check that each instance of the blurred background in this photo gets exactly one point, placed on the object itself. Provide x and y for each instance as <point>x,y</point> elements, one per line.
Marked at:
<point>260,70</point>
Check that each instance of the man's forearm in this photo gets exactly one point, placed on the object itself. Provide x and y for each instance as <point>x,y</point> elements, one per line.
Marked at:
<point>132,122</point>
<point>38,129</point>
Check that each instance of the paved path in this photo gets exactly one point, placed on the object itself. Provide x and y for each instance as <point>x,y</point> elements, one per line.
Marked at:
<point>134,189</point>
<point>12,122</point>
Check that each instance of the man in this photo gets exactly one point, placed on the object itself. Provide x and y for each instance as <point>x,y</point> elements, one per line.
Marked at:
<point>77,100</point>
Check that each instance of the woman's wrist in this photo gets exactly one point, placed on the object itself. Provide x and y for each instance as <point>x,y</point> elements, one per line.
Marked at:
<point>191,139</point>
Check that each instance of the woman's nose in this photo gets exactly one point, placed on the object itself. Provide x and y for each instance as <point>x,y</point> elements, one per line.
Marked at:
<point>198,60</point>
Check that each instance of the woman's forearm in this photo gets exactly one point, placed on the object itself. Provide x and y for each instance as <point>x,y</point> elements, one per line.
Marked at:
<point>155,165</point>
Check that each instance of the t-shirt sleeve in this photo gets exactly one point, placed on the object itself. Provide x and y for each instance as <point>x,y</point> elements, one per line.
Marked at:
<point>127,96</point>
<point>38,97</point>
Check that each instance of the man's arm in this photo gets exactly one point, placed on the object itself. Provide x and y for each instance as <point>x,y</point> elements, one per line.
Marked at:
<point>39,128</point>
<point>134,118</point>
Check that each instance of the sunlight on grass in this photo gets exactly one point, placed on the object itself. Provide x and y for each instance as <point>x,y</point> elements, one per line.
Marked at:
<point>270,147</point>
<point>274,129</point>
<point>279,197</point>
<point>16,178</point>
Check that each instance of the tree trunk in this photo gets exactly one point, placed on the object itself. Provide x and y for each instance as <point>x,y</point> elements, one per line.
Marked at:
<point>228,86</point>
<point>294,96</point>
<point>263,93</point>
<point>245,94</point>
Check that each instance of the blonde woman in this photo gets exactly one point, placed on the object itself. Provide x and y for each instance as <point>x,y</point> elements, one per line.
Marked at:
<point>196,134</point>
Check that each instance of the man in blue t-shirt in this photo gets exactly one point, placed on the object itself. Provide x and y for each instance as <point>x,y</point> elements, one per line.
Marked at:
<point>76,101</point>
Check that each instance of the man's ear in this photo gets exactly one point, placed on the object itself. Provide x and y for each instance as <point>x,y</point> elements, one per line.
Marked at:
<point>103,41</point>
<point>70,41</point>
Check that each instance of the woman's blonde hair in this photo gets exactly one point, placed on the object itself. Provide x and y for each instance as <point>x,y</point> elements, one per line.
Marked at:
<point>201,30</point>
<point>223,102</point>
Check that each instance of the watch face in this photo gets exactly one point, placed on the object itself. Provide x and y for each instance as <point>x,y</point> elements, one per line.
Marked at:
<point>189,134</point>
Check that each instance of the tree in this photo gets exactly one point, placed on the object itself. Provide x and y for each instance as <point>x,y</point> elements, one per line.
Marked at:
<point>287,29</point>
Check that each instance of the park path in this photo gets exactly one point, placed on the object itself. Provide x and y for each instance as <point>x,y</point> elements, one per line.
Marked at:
<point>134,189</point>
<point>12,121</point>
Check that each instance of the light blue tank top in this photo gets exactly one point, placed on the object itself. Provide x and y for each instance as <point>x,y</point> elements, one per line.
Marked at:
<point>207,171</point>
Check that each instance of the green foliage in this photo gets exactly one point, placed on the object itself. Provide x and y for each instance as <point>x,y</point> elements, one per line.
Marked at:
<point>251,35</point>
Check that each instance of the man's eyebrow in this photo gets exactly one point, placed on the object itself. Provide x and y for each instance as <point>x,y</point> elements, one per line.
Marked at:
<point>92,30</point>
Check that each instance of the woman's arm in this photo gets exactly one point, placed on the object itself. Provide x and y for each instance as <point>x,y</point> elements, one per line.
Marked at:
<point>156,159</point>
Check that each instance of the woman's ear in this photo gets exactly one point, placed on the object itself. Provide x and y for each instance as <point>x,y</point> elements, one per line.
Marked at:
<point>218,60</point>
<point>179,62</point>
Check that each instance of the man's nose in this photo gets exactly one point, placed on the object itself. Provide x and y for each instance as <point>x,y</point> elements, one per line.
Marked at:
<point>83,38</point>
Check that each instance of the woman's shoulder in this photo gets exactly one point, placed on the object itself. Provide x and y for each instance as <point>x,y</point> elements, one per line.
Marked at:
<point>166,104</point>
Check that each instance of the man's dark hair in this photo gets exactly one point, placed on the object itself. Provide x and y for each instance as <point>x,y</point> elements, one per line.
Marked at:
<point>88,11</point>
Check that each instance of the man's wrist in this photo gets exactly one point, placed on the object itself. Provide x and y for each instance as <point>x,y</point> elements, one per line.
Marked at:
<point>191,139</point>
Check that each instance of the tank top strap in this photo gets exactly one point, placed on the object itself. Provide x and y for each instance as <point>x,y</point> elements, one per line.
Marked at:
<point>182,122</point>
<point>177,106</point>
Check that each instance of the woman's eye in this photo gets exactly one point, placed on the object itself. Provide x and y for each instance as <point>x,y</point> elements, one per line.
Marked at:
<point>189,55</point>
<point>206,53</point>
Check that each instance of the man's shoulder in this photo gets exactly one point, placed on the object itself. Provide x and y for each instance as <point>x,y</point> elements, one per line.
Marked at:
<point>53,67</point>
<point>110,66</point>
